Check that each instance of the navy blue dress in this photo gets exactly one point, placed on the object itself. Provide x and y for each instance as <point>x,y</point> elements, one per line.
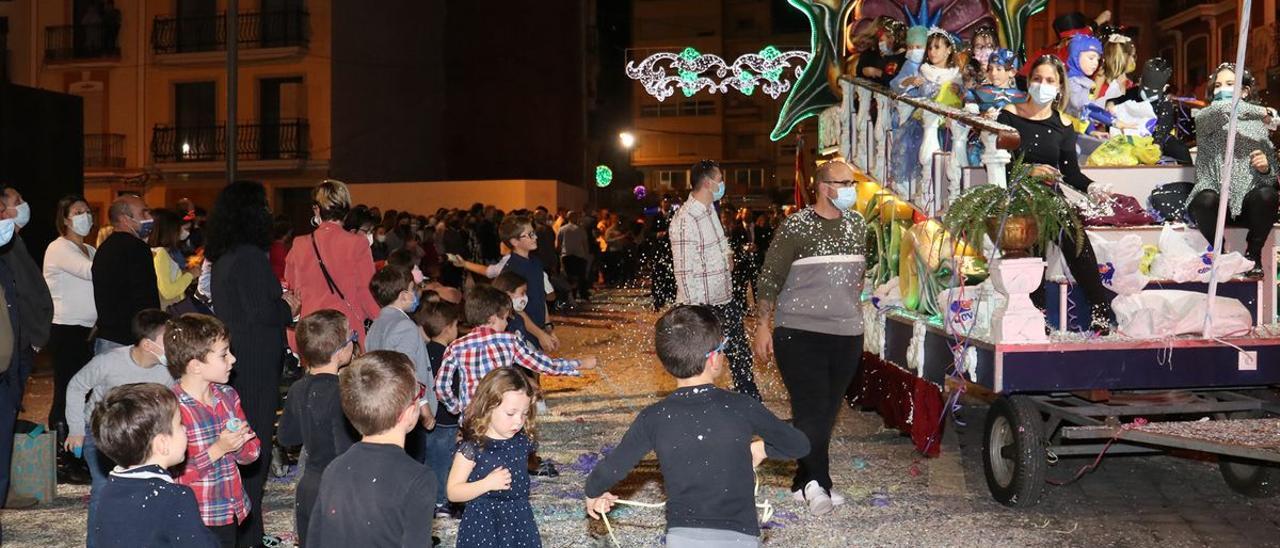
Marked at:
<point>500,518</point>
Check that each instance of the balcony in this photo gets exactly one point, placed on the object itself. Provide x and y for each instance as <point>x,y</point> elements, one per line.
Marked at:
<point>103,151</point>
<point>278,145</point>
<point>267,35</point>
<point>78,43</point>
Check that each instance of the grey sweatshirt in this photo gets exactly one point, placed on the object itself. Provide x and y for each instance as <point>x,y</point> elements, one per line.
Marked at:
<point>813,273</point>
<point>102,373</point>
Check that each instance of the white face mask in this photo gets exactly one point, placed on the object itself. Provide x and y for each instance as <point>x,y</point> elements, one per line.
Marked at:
<point>24,214</point>
<point>915,55</point>
<point>81,224</point>
<point>845,198</point>
<point>520,302</point>
<point>1042,94</point>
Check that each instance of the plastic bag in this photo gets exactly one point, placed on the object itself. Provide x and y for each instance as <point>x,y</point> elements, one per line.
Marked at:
<point>967,310</point>
<point>1181,262</point>
<point>1123,151</point>
<point>1158,313</point>
<point>1146,151</point>
<point>1120,263</point>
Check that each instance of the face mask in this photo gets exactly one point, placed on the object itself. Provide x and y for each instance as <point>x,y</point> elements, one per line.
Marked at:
<point>719,192</point>
<point>417,274</point>
<point>413,307</point>
<point>24,214</point>
<point>1224,94</point>
<point>382,238</point>
<point>915,55</point>
<point>144,228</point>
<point>1042,94</point>
<point>7,227</point>
<point>845,198</point>
<point>164,362</point>
<point>81,224</point>
<point>520,302</point>
<point>983,55</point>
<point>182,236</point>
<point>884,49</point>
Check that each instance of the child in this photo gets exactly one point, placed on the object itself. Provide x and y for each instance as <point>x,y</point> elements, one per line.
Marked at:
<point>374,494</point>
<point>939,80</point>
<point>703,438</point>
<point>108,370</point>
<point>515,286</point>
<point>440,321</point>
<point>489,473</point>
<point>1083,59</point>
<point>997,91</point>
<point>881,62</point>
<point>916,37</point>
<point>488,347</point>
<point>218,436</point>
<point>393,289</point>
<point>1119,58</point>
<point>313,410</point>
<point>517,232</point>
<point>139,426</point>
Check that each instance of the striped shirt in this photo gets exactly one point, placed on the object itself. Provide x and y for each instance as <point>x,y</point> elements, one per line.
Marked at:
<point>219,491</point>
<point>701,255</point>
<point>483,350</point>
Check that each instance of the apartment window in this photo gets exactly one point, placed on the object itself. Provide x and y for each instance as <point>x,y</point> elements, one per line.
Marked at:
<point>749,177</point>
<point>672,109</point>
<point>674,180</point>
<point>745,143</point>
<point>195,119</point>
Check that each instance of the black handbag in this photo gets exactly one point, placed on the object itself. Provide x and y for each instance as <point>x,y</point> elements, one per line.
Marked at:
<point>333,286</point>
<point>1169,201</point>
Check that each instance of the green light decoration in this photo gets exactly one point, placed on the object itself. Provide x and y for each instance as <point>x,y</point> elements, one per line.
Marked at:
<point>690,55</point>
<point>748,85</point>
<point>695,71</point>
<point>770,53</point>
<point>811,95</point>
<point>604,176</point>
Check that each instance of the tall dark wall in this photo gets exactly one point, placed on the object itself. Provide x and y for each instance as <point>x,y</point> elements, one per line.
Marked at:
<point>41,154</point>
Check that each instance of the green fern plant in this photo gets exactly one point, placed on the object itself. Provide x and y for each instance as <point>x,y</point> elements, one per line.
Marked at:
<point>1025,195</point>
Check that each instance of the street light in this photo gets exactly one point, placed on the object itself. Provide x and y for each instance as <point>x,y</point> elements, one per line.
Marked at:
<point>628,140</point>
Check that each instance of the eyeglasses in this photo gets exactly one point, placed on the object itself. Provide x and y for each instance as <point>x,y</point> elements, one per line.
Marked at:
<point>421,398</point>
<point>719,349</point>
<point>529,235</point>
<point>354,338</point>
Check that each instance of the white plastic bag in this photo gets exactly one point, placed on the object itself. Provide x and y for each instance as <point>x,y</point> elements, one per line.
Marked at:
<point>967,310</point>
<point>887,295</point>
<point>1158,313</point>
<point>1119,263</point>
<point>1180,262</point>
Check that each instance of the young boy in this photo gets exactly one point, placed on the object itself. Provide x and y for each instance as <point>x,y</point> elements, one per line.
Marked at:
<point>440,321</point>
<point>488,347</point>
<point>313,410</point>
<point>374,494</point>
<point>702,436</point>
<point>517,232</point>
<point>142,362</point>
<point>218,437</point>
<point>393,289</point>
<point>139,426</point>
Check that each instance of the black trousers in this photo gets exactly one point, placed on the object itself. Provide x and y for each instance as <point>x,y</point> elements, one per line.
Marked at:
<point>817,369</point>
<point>72,349</point>
<point>737,350</point>
<point>227,535</point>
<point>575,268</point>
<point>1258,216</point>
<point>1083,264</point>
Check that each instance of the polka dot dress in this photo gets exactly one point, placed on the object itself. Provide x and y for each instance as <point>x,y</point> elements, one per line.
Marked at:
<point>500,518</point>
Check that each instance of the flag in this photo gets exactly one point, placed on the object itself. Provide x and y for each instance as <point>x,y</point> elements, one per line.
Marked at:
<point>802,180</point>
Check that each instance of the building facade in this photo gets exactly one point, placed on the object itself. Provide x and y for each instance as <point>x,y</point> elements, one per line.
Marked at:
<point>1201,35</point>
<point>732,128</point>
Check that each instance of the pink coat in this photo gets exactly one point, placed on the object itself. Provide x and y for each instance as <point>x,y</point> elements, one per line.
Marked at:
<point>350,263</point>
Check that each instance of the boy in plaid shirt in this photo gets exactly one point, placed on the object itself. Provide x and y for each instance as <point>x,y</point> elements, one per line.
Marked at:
<point>488,347</point>
<point>218,437</point>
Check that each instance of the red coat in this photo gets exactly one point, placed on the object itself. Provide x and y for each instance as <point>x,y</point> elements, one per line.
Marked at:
<point>349,261</point>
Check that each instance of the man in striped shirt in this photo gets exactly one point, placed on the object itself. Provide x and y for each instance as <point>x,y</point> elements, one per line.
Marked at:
<point>488,347</point>
<point>703,260</point>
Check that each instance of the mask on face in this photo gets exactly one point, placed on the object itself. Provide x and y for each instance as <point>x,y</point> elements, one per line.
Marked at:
<point>718,193</point>
<point>81,224</point>
<point>983,55</point>
<point>417,274</point>
<point>7,226</point>
<point>1042,94</point>
<point>885,49</point>
<point>24,214</point>
<point>413,307</point>
<point>182,236</point>
<point>144,228</point>
<point>160,357</point>
<point>845,198</point>
<point>915,55</point>
<point>520,302</point>
<point>1224,94</point>
<point>381,238</point>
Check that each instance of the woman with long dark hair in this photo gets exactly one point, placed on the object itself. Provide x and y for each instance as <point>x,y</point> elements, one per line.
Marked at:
<point>256,312</point>
<point>1049,142</point>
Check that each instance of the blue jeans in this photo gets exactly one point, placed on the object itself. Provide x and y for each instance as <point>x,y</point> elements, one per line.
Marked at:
<point>99,467</point>
<point>441,443</point>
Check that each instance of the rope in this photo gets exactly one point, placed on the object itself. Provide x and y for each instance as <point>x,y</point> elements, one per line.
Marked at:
<point>765,506</point>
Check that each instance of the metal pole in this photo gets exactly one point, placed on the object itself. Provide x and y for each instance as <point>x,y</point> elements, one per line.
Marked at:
<point>1224,179</point>
<point>233,86</point>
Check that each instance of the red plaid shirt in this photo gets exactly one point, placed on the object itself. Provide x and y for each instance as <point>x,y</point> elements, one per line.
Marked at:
<point>219,492</point>
<point>483,350</point>
<point>700,254</point>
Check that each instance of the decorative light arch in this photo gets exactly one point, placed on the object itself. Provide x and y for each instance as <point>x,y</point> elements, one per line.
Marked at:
<point>766,69</point>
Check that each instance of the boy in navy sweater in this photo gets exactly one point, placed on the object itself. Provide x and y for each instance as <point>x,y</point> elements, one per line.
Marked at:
<point>140,427</point>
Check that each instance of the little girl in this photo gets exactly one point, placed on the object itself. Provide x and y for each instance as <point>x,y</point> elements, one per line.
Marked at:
<point>1119,58</point>
<point>939,80</point>
<point>489,471</point>
<point>1084,56</point>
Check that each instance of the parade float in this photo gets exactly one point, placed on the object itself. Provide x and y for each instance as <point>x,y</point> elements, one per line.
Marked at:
<point>947,303</point>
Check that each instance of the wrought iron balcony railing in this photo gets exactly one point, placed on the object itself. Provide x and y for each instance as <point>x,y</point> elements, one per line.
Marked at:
<point>276,29</point>
<point>283,140</point>
<point>104,150</point>
<point>81,42</point>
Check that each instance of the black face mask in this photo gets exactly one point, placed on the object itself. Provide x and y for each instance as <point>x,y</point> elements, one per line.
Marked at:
<point>1155,76</point>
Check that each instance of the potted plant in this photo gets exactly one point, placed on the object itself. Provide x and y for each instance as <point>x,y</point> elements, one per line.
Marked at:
<point>1032,212</point>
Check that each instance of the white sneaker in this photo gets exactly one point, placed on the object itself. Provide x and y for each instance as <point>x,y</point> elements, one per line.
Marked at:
<point>818,499</point>
<point>837,498</point>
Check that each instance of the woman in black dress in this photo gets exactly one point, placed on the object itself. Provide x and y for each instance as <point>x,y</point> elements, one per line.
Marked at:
<point>250,302</point>
<point>1049,143</point>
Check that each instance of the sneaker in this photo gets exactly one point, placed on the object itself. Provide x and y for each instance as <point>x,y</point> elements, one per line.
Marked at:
<point>547,469</point>
<point>442,511</point>
<point>837,498</point>
<point>818,499</point>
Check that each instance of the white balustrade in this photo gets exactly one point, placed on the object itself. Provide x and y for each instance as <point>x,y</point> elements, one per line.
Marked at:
<point>863,141</point>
